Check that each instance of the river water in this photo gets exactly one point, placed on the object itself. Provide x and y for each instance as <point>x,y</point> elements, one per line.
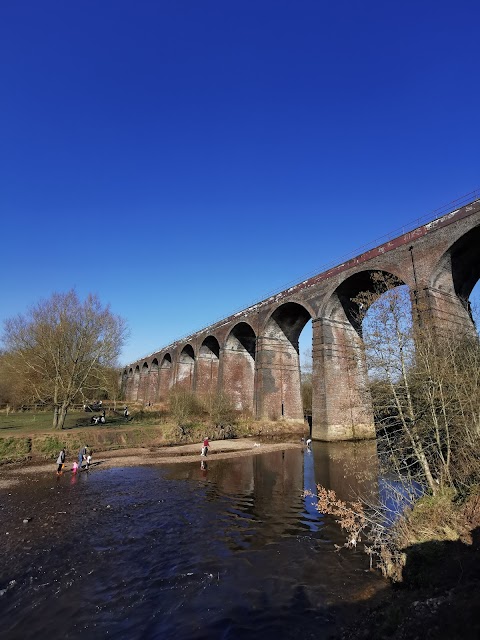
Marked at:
<point>230,551</point>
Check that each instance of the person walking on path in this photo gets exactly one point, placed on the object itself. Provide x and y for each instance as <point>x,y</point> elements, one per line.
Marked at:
<point>81,455</point>
<point>125,413</point>
<point>60,461</point>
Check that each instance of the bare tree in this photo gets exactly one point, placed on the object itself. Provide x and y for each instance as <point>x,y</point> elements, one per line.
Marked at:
<point>13,392</point>
<point>425,387</point>
<point>108,381</point>
<point>425,383</point>
<point>62,347</point>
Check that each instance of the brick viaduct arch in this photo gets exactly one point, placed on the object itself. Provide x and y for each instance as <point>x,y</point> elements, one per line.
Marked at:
<point>254,357</point>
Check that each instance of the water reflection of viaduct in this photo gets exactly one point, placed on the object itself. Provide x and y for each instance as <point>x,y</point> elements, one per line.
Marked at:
<point>270,486</point>
<point>253,355</point>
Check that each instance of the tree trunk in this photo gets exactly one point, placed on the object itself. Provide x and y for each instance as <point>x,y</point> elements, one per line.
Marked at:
<point>56,414</point>
<point>59,415</point>
<point>63,415</point>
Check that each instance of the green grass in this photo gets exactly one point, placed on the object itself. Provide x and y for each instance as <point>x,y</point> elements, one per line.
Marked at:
<point>12,449</point>
<point>28,421</point>
<point>32,422</point>
<point>30,434</point>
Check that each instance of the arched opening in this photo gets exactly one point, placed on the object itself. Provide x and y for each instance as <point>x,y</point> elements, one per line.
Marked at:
<point>475,305</point>
<point>143,386</point>
<point>207,366</point>
<point>466,264</point>
<point>238,366</point>
<point>424,376</point>
<point>153,382</point>
<point>387,328</point>
<point>185,368</point>
<point>136,383</point>
<point>278,366</point>
<point>129,385</point>
<point>167,361</point>
<point>165,377</point>
<point>360,291</point>
<point>306,371</point>
<point>453,290</point>
<point>342,405</point>
<point>124,383</point>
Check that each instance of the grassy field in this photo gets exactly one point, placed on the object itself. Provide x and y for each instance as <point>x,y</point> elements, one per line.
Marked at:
<point>33,422</point>
<point>29,434</point>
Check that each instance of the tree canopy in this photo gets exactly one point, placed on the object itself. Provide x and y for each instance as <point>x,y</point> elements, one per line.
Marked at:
<point>61,350</point>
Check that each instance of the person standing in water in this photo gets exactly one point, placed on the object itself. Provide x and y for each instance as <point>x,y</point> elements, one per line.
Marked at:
<point>81,455</point>
<point>206,444</point>
<point>60,460</point>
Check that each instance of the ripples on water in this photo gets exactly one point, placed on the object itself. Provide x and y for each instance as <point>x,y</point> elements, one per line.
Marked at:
<point>232,551</point>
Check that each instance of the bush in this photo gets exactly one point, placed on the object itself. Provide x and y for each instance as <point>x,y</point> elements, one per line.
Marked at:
<point>219,408</point>
<point>12,449</point>
<point>183,406</point>
<point>50,446</point>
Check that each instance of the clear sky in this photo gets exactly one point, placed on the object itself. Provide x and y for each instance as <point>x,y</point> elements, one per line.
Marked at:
<point>183,159</point>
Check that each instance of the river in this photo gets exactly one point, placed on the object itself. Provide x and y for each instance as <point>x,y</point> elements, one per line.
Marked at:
<point>177,551</point>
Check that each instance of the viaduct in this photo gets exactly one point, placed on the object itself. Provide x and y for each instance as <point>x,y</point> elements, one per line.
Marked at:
<point>253,355</point>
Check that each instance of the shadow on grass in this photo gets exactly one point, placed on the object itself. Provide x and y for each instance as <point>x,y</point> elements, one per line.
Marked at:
<point>87,424</point>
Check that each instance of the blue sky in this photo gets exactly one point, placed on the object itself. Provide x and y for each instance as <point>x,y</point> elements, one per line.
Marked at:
<point>184,159</point>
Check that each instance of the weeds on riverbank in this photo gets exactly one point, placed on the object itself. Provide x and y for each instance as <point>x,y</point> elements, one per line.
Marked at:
<point>441,518</point>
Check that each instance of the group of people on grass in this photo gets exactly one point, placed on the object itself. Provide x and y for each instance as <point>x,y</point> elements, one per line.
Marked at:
<point>84,456</point>
<point>98,419</point>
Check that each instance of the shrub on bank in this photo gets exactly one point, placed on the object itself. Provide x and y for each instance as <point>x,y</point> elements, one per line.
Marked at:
<point>49,446</point>
<point>15,449</point>
<point>443,517</point>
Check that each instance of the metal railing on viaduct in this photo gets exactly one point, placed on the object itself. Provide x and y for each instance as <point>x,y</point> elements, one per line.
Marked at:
<point>253,354</point>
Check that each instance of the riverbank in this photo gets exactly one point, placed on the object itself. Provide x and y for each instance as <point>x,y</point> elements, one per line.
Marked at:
<point>29,437</point>
<point>131,457</point>
<point>439,597</point>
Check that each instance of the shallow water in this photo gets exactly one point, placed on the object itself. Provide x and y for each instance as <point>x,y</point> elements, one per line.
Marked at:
<point>230,551</point>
